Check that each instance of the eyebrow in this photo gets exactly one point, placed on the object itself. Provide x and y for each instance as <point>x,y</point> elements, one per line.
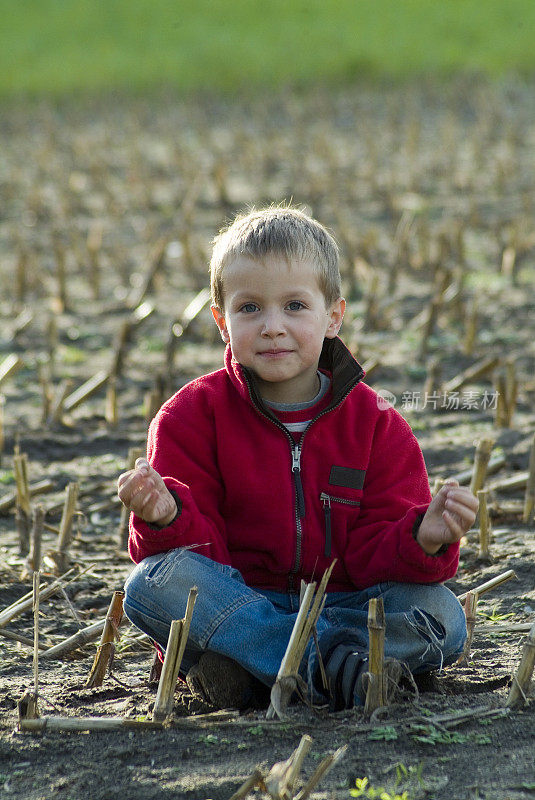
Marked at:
<point>293,294</point>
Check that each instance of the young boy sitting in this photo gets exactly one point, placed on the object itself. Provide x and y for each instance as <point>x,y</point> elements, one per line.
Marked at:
<point>261,474</point>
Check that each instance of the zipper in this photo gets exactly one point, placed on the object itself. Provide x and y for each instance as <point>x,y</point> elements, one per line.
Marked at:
<point>296,470</point>
<point>326,500</point>
<point>295,451</point>
<point>328,497</point>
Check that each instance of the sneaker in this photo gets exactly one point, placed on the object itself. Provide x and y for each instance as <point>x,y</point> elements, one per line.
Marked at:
<point>223,682</point>
<point>346,667</point>
<point>344,661</point>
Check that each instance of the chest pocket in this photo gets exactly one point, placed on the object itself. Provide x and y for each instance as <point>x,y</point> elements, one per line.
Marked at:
<point>333,500</point>
<point>330,503</point>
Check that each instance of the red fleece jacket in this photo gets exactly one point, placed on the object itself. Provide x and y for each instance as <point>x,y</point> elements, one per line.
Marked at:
<point>358,485</point>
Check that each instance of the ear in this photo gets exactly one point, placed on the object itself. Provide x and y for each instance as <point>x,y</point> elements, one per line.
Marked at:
<point>336,315</point>
<point>220,321</point>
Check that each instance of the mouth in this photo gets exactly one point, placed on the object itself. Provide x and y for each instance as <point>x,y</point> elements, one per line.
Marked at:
<point>274,352</point>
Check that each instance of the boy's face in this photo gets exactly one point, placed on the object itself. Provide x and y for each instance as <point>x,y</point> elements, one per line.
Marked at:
<point>276,319</point>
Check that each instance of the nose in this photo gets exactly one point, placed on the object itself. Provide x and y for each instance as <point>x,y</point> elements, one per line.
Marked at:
<point>272,323</point>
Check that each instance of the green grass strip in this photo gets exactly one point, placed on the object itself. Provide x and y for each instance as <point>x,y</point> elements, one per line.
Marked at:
<point>63,46</point>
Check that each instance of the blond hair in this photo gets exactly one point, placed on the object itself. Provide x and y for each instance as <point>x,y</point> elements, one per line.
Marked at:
<point>277,230</point>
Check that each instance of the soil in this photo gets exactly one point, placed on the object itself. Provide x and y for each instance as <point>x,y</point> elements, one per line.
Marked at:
<point>415,181</point>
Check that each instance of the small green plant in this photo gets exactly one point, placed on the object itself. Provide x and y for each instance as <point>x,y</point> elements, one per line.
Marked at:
<point>7,477</point>
<point>429,734</point>
<point>209,738</point>
<point>363,788</point>
<point>494,616</point>
<point>409,774</point>
<point>386,734</point>
<point>256,730</point>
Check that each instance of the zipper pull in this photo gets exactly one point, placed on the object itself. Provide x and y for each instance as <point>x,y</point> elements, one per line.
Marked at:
<point>296,459</point>
<point>326,501</point>
<point>296,470</point>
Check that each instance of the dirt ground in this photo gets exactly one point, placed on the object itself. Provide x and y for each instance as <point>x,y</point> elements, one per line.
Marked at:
<point>423,185</point>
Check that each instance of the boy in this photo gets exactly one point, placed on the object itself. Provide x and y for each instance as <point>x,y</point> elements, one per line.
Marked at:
<point>261,474</point>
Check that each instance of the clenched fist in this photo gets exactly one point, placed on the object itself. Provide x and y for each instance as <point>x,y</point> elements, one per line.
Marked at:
<point>143,491</point>
<point>450,515</point>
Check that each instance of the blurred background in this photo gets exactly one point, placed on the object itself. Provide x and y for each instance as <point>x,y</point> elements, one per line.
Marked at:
<point>57,47</point>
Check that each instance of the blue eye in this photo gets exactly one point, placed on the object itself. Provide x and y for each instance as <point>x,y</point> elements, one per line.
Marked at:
<point>249,308</point>
<point>295,305</point>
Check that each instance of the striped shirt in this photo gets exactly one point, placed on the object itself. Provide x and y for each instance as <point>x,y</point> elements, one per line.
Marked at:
<point>297,416</point>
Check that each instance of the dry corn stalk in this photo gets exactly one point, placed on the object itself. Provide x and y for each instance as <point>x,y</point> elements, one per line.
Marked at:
<point>59,302</point>
<point>2,440</point>
<point>495,464</point>
<point>481,460</point>
<point>279,782</point>
<point>470,333</point>
<point>508,261</point>
<point>155,262</point>
<point>23,321</point>
<point>522,679</point>
<point>46,392</point>
<point>484,525</point>
<point>61,555</point>
<point>55,413</point>
<point>287,677</point>
<point>21,281</point>
<point>470,608</point>
<point>94,246</point>
<point>375,694</point>
<point>176,644</point>
<point>506,386</point>
<point>33,562</point>
<point>106,647</point>
<point>141,313</point>
<point>9,366</point>
<point>78,639</point>
<point>471,374</point>
<point>85,390</point>
<point>434,376</point>
<point>529,498</point>
<point>52,339</point>
<point>119,350</point>
<point>281,778</point>
<point>429,324</point>
<point>40,487</point>
<point>23,508</point>
<point>323,768</point>
<point>518,481</point>
<point>24,603</point>
<point>36,579</point>
<point>56,723</point>
<point>255,779</point>
<point>488,585</point>
<point>111,410</point>
<point>181,325</point>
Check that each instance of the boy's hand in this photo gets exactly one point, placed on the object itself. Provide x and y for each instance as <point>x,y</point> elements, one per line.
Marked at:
<point>143,491</point>
<point>450,515</point>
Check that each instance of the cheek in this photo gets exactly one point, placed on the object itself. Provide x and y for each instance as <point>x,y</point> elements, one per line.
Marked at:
<point>240,337</point>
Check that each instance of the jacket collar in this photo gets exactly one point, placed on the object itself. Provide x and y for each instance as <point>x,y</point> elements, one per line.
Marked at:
<point>335,358</point>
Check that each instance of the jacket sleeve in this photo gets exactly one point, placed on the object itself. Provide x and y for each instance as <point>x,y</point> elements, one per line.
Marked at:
<point>181,447</point>
<point>382,547</point>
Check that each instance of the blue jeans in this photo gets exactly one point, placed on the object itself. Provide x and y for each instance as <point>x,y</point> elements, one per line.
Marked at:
<point>425,624</point>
